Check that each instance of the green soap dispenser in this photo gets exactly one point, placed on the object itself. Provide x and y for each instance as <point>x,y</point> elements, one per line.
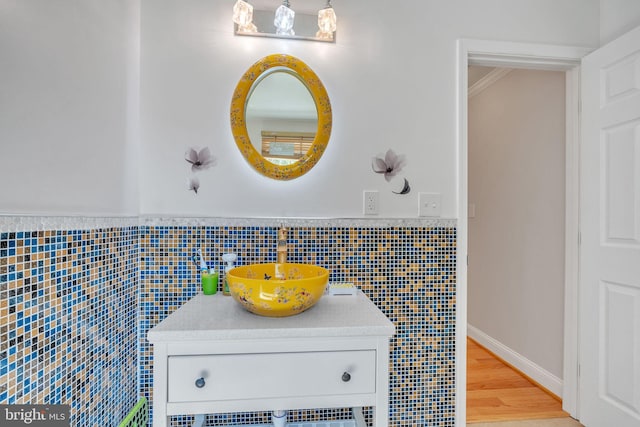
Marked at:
<point>229,259</point>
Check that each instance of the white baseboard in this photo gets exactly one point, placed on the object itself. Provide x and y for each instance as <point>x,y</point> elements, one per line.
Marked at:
<point>540,375</point>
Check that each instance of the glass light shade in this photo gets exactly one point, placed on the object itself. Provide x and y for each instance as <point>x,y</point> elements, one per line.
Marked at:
<point>324,36</point>
<point>327,21</point>
<point>284,20</point>
<point>251,28</point>
<point>242,14</point>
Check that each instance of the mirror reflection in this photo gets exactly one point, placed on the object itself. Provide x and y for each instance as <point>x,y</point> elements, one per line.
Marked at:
<point>281,116</point>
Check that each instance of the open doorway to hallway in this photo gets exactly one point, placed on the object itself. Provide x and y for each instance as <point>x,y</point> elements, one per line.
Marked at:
<point>496,392</point>
<point>516,278</point>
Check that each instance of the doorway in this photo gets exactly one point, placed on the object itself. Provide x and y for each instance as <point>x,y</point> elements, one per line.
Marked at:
<point>516,55</point>
<point>516,196</point>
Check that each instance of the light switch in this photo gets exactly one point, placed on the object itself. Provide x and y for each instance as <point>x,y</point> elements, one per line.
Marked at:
<point>430,204</point>
<point>472,210</point>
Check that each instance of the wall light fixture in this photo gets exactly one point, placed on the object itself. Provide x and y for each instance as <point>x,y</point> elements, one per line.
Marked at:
<point>327,22</point>
<point>243,17</point>
<point>284,19</point>
<point>286,23</point>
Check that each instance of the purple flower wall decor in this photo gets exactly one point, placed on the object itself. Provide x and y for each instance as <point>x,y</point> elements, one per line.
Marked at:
<point>390,166</point>
<point>200,160</point>
<point>193,184</point>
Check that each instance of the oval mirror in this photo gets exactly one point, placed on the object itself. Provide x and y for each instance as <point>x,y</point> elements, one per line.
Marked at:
<point>281,117</point>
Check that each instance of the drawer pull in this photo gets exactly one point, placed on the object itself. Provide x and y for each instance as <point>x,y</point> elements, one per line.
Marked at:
<point>200,382</point>
<point>346,377</point>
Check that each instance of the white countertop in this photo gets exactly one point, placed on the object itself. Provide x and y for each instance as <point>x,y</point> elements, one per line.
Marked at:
<point>217,317</point>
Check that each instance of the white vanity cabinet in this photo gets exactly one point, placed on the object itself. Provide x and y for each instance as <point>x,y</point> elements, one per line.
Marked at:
<point>212,356</point>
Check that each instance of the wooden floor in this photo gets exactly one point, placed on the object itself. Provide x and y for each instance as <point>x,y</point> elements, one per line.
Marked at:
<point>496,392</point>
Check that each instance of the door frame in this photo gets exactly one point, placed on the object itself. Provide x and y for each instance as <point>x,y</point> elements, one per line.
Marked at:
<point>527,56</point>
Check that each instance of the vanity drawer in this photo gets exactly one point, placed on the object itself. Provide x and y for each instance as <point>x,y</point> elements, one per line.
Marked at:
<point>267,375</point>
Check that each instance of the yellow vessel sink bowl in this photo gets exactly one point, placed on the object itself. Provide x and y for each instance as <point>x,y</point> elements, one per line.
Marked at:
<point>256,288</point>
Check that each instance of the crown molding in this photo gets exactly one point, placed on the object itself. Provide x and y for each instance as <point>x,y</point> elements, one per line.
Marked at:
<point>487,80</point>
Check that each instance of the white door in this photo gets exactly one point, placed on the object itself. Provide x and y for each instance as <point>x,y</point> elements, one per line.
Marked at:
<point>610,226</point>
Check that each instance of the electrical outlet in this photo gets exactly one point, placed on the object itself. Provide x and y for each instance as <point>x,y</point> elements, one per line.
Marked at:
<point>429,204</point>
<point>370,203</point>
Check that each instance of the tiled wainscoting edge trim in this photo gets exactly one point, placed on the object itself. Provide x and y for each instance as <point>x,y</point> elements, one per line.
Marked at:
<point>9,223</point>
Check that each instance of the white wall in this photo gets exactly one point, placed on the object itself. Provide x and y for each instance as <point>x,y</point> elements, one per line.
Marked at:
<point>516,240</point>
<point>391,78</point>
<point>617,17</point>
<point>65,97</point>
<point>68,106</point>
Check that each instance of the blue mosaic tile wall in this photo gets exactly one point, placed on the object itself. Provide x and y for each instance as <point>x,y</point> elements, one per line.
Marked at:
<point>68,316</point>
<point>409,272</point>
<point>68,310</point>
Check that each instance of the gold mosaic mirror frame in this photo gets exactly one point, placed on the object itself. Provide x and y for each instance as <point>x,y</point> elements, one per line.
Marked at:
<point>238,117</point>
